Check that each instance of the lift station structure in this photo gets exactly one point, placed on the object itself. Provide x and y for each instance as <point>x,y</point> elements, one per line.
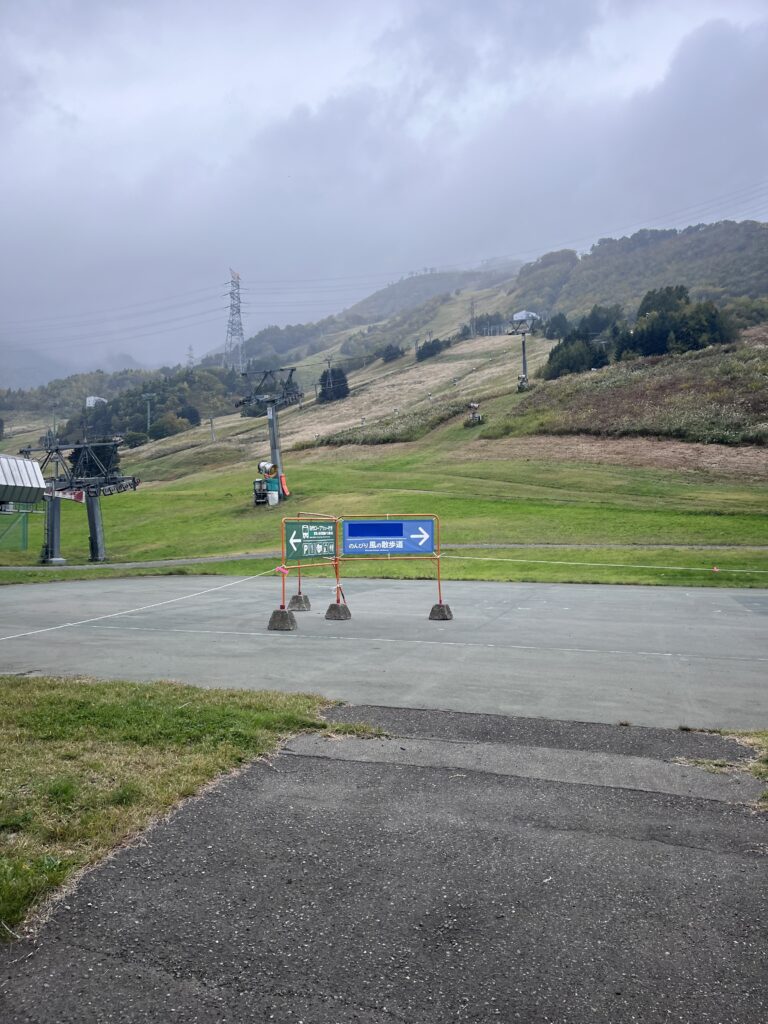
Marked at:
<point>81,472</point>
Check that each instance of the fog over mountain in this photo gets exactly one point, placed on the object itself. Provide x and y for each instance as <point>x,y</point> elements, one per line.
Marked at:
<point>323,150</point>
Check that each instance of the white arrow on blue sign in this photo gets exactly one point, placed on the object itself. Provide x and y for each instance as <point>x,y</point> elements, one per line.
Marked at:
<point>388,537</point>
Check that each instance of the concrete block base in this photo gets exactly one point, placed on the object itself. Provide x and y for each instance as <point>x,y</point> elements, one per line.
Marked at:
<point>440,613</point>
<point>282,619</point>
<point>54,561</point>
<point>337,612</point>
<point>299,603</point>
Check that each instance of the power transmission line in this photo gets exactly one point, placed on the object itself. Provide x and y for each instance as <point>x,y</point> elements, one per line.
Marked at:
<point>109,312</point>
<point>43,345</point>
<point>235,340</point>
<point>78,334</point>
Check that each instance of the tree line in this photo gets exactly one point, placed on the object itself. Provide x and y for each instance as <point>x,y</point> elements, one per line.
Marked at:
<point>161,407</point>
<point>667,322</point>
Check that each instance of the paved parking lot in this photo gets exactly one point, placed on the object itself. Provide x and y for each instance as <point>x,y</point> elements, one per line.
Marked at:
<point>651,656</point>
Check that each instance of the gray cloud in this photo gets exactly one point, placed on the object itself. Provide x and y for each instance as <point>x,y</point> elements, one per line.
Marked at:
<point>149,152</point>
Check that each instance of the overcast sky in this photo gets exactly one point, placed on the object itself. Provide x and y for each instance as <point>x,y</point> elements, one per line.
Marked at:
<point>325,147</point>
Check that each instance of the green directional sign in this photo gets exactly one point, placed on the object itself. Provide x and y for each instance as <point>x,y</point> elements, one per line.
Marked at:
<point>308,539</point>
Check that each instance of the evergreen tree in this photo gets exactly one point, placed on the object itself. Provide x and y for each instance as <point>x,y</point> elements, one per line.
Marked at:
<point>574,354</point>
<point>430,348</point>
<point>664,300</point>
<point>557,327</point>
<point>390,353</point>
<point>96,460</point>
<point>333,385</point>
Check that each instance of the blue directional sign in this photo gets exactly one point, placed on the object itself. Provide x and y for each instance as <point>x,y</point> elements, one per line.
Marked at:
<point>388,537</point>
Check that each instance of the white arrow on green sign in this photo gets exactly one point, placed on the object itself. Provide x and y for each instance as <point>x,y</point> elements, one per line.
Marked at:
<point>308,539</point>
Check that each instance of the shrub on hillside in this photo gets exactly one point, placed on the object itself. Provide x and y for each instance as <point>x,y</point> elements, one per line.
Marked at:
<point>135,438</point>
<point>168,425</point>
<point>714,395</point>
<point>430,349</point>
<point>390,353</point>
<point>574,355</point>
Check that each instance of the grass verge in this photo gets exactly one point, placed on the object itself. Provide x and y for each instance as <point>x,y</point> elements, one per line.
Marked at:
<point>497,500</point>
<point>85,765</point>
<point>686,567</point>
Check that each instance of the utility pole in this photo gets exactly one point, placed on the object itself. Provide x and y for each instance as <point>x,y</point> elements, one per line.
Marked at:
<point>235,337</point>
<point>472,322</point>
<point>148,396</point>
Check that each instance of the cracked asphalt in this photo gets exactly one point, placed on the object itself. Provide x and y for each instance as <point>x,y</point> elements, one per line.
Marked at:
<point>464,868</point>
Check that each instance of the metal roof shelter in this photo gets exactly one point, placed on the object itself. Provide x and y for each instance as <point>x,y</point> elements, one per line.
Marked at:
<point>21,480</point>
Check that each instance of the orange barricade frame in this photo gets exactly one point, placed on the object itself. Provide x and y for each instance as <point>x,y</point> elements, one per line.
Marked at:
<point>338,558</point>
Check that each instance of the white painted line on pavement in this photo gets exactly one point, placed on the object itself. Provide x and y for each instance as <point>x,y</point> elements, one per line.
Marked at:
<point>130,611</point>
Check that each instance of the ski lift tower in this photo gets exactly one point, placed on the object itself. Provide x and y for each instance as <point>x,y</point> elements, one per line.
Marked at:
<point>270,394</point>
<point>522,324</point>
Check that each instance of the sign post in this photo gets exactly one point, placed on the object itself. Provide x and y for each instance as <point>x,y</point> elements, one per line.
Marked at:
<point>308,540</point>
<point>397,536</point>
<point>316,540</point>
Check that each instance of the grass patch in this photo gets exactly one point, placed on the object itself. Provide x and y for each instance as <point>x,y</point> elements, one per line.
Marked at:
<point>627,565</point>
<point>716,765</point>
<point>410,426</point>
<point>515,501</point>
<point>647,567</point>
<point>759,767</point>
<point>84,765</point>
<point>204,506</point>
<point>717,395</point>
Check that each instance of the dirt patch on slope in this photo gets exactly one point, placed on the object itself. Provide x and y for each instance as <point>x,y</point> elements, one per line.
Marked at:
<point>747,461</point>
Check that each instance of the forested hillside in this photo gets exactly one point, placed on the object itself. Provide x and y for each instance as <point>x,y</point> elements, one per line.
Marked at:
<point>714,395</point>
<point>724,262</point>
<point>418,289</point>
<point>386,316</point>
<point>593,303</point>
<point>65,396</point>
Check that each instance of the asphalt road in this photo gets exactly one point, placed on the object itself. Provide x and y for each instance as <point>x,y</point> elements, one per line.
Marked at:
<point>649,656</point>
<point>446,873</point>
<point>465,867</point>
